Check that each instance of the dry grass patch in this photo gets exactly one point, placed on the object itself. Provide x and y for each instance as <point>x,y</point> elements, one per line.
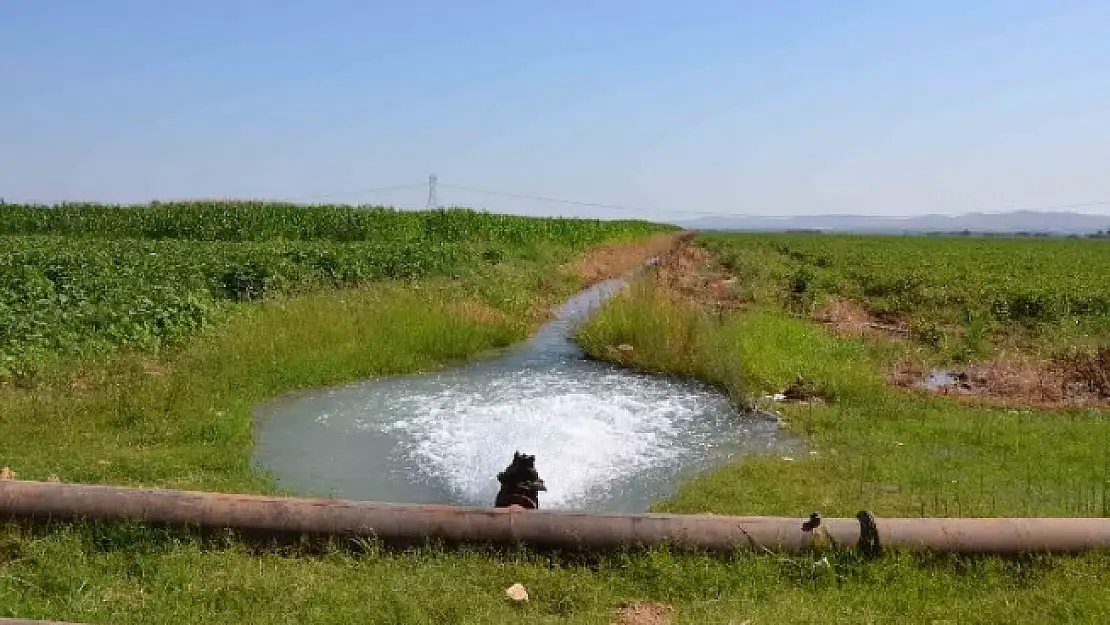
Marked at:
<point>477,312</point>
<point>612,260</point>
<point>850,318</point>
<point>1010,379</point>
<point>691,273</point>
<point>644,613</point>
<point>1087,371</point>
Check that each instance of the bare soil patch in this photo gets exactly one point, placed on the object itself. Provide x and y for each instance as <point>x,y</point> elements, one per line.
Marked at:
<point>1089,370</point>
<point>612,260</point>
<point>850,318</point>
<point>692,273</point>
<point>644,613</point>
<point>1010,380</point>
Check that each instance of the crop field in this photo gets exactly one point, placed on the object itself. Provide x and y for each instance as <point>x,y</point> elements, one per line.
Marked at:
<point>239,221</point>
<point>1051,289</point>
<point>135,341</point>
<point>83,280</point>
<point>1015,280</point>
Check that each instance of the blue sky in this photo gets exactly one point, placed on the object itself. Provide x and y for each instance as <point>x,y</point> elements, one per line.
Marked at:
<point>772,108</point>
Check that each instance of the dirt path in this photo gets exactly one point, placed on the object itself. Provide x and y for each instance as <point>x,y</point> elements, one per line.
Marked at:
<point>612,260</point>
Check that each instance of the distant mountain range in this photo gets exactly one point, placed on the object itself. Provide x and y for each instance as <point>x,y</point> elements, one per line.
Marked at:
<point>1058,223</point>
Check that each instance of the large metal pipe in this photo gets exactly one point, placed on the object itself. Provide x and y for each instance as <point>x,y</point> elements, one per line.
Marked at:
<point>399,523</point>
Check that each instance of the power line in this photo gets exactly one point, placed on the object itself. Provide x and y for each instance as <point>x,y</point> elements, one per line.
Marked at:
<point>723,214</point>
<point>433,185</point>
<point>591,204</point>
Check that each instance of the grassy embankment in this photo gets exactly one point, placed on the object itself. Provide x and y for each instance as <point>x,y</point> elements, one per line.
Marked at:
<point>873,446</point>
<point>746,312</point>
<point>172,409</point>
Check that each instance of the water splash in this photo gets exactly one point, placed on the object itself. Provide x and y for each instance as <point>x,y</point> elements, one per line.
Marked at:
<point>583,436</point>
<point>604,438</point>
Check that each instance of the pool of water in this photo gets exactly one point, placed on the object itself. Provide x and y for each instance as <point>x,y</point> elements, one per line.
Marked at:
<point>605,438</point>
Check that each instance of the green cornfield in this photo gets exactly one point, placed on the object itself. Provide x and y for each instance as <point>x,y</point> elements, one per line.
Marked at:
<point>85,278</point>
<point>241,221</point>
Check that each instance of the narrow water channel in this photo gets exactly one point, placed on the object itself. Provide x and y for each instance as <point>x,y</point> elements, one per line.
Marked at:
<point>605,438</point>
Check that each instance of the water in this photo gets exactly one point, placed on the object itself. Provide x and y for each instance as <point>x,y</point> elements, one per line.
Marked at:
<point>605,438</point>
<point>938,380</point>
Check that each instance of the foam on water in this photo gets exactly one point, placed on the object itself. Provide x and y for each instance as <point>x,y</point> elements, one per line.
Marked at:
<point>604,438</point>
<point>583,436</point>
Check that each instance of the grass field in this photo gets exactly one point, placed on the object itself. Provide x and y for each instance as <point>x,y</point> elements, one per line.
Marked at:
<point>152,331</point>
<point>962,294</point>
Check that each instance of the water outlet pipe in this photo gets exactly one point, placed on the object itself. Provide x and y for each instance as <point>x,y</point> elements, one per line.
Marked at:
<point>558,529</point>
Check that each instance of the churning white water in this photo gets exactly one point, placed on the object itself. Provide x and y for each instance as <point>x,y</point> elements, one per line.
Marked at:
<point>604,438</point>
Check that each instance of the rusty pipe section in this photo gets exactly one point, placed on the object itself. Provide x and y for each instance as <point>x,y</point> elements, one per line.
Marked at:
<point>403,523</point>
<point>1000,536</point>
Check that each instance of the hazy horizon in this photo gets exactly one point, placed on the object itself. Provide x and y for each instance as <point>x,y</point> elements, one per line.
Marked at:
<point>881,109</point>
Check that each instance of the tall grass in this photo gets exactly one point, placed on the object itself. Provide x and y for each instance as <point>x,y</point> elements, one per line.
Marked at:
<point>864,445</point>
<point>185,421</point>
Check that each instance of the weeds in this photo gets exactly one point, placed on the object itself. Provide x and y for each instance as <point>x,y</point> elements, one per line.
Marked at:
<point>1089,369</point>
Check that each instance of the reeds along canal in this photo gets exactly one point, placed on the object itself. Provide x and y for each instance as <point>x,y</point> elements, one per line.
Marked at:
<point>605,438</point>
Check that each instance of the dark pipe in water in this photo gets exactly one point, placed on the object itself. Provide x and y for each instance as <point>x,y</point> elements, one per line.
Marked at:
<point>396,523</point>
<point>520,484</point>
